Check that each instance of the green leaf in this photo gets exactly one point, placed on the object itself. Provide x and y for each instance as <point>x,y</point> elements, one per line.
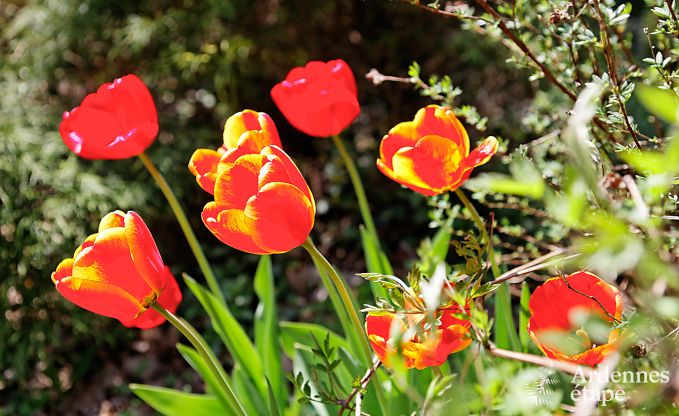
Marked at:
<point>505,332</point>
<point>197,363</point>
<point>303,333</point>
<point>266,328</point>
<point>172,402</point>
<point>437,250</point>
<point>300,366</point>
<point>525,180</point>
<point>375,261</point>
<point>662,103</point>
<point>524,315</point>
<point>273,403</point>
<point>247,393</point>
<point>232,334</point>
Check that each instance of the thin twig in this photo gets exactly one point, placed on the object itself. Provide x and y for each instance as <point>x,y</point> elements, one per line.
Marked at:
<point>518,42</point>
<point>563,366</point>
<point>612,69</point>
<point>537,264</point>
<point>447,13</point>
<point>361,386</point>
<point>674,15</point>
<point>591,297</point>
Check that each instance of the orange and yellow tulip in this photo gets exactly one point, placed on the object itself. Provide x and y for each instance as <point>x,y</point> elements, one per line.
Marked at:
<point>118,272</point>
<point>244,132</point>
<point>431,154</point>
<point>556,313</point>
<point>451,336</point>
<point>262,203</point>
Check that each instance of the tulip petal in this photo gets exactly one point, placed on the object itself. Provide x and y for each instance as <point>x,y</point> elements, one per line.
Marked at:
<point>435,120</point>
<point>231,227</point>
<point>482,153</point>
<point>169,298</point>
<point>273,172</point>
<point>64,269</point>
<point>400,136</point>
<point>238,182</point>
<point>109,261</point>
<point>100,297</point>
<point>144,252</point>
<point>282,217</point>
<point>113,219</point>
<point>392,175</point>
<point>203,165</point>
<point>430,164</point>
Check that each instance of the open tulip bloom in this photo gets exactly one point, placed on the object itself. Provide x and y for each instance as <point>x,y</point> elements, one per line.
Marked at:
<point>262,203</point>
<point>567,325</point>
<point>244,132</point>
<point>318,99</point>
<point>431,154</point>
<point>430,349</point>
<point>118,272</point>
<point>116,122</point>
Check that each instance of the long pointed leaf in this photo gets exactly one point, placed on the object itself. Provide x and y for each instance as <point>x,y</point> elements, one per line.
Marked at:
<point>524,315</point>
<point>505,331</point>
<point>197,363</point>
<point>232,334</point>
<point>266,329</point>
<point>170,402</point>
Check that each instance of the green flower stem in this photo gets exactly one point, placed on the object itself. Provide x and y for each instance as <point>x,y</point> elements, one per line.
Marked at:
<point>350,309</point>
<point>206,354</point>
<point>358,188</point>
<point>341,286</point>
<point>185,226</point>
<point>481,226</point>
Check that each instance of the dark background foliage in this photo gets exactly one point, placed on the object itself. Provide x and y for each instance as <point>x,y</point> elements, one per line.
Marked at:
<point>203,61</point>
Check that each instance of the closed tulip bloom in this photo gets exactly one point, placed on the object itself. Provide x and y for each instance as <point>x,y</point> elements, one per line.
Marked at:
<point>262,203</point>
<point>431,154</point>
<point>118,272</point>
<point>116,122</point>
<point>557,314</point>
<point>318,99</point>
<point>451,336</point>
<point>244,132</point>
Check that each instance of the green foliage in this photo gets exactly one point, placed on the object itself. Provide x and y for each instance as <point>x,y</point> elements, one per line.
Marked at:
<point>172,402</point>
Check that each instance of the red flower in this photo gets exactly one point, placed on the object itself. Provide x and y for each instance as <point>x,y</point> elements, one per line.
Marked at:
<point>430,154</point>
<point>451,336</point>
<point>245,132</point>
<point>262,203</point>
<point>116,122</point>
<point>557,313</point>
<point>118,272</point>
<point>318,99</point>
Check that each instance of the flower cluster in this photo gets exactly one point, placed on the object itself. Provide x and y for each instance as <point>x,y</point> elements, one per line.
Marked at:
<point>263,205</point>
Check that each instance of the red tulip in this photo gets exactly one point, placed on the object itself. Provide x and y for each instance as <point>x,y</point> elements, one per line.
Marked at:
<point>116,122</point>
<point>452,335</point>
<point>557,313</point>
<point>318,99</point>
<point>262,203</point>
<point>430,154</point>
<point>245,132</point>
<point>118,272</point>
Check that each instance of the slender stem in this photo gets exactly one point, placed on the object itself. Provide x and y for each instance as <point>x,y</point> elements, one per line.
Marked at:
<point>437,371</point>
<point>208,356</point>
<point>358,187</point>
<point>481,226</point>
<point>356,392</point>
<point>566,367</point>
<point>343,291</point>
<point>350,309</point>
<point>185,226</point>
